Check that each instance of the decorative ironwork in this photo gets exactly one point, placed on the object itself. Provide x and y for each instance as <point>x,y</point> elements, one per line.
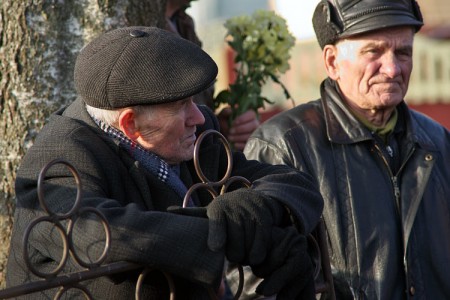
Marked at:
<point>211,186</point>
<point>96,269</point>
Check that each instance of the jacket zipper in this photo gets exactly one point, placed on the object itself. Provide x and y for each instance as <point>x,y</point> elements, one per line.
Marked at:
<point>394,180</point>
<point>393,177</point>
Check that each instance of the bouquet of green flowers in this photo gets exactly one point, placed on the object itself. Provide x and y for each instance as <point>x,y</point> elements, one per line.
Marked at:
<point>261,43</point>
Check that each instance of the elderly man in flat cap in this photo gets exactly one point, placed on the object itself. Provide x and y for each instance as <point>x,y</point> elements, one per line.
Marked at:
<point>130,135</point>
<point>383,168</point>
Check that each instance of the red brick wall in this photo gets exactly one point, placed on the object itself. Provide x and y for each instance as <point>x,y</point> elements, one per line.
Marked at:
<point>438,112</point>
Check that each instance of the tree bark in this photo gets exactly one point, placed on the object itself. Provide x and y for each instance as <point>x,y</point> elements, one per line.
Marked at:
<point>39,41</point>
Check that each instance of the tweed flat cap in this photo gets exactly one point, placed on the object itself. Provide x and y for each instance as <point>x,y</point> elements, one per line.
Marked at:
<point>141,65</point>
<point>337,19</point>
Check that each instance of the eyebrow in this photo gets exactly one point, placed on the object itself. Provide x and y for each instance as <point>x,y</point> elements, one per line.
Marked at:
<point>381,44</point>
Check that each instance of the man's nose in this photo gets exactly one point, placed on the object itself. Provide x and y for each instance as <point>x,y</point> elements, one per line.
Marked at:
<point>390,65</point>
<point>195,115</point>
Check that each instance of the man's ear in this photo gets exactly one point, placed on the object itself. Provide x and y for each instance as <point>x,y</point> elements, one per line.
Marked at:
<point>330,59</point>
<point>127,124</point>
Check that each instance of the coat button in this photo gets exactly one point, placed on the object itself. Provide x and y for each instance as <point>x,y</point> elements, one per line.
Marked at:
<point>137,33</point>
<point>412,290</point>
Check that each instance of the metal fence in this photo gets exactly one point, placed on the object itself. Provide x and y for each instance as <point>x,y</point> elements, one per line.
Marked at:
<point>65,222</point>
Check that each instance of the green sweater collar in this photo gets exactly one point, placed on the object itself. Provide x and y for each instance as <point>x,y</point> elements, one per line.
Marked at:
<point>382,132</point>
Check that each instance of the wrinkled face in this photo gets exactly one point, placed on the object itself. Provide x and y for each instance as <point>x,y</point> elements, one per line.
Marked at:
<point>168,130</point>
<point>373,69</point>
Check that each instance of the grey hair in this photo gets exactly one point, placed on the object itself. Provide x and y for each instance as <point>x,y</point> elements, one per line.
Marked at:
<point>111,117</point>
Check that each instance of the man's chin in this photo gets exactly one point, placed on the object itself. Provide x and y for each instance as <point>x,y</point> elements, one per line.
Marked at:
<point>187,152</point>
<point>390,99</point>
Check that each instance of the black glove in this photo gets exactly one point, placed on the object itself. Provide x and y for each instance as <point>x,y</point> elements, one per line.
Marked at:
<point>240,222</point>
<point>287,270</point>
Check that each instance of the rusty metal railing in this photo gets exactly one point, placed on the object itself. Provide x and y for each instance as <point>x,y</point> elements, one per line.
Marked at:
<point>96,269</point>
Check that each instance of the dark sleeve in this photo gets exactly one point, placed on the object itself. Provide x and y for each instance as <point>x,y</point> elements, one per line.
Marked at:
<point>295,190</point>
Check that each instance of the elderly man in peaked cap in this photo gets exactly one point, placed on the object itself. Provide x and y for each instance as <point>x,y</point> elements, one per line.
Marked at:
<point>130,135</point>
<point>383,168</point>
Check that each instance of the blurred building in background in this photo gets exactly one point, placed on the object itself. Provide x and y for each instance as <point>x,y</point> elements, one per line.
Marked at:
<point>429,89</point>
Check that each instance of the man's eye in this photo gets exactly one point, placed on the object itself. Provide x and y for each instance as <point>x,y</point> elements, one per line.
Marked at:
<point>404,53</point>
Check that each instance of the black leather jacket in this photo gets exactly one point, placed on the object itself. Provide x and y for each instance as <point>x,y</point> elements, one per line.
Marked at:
<point>388,219</point>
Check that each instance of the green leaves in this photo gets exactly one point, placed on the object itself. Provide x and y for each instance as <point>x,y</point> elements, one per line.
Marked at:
<point>262,43</point>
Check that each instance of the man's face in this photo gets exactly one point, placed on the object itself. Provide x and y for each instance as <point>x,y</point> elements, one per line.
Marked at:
<point>168,130</point>
<point>373,69</point>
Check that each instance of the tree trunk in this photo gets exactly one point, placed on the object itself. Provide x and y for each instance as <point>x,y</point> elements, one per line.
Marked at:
<point>39,41</point>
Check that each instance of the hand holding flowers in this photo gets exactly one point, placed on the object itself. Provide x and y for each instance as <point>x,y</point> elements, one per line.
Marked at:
<point>262,43</point>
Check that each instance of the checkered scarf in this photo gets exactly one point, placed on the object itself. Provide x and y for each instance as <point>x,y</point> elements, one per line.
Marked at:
<point>151,162</point>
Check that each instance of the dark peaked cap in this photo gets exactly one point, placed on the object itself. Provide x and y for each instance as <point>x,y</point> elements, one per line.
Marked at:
<point>141,65</point>
<point>334,20</point>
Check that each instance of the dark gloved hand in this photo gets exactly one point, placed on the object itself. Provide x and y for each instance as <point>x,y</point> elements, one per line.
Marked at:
<point>240,222</point>
<point>287,270</point>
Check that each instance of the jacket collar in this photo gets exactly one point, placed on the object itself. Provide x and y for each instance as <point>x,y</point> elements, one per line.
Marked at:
<point>344,128</point>
<point>77,111</point>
